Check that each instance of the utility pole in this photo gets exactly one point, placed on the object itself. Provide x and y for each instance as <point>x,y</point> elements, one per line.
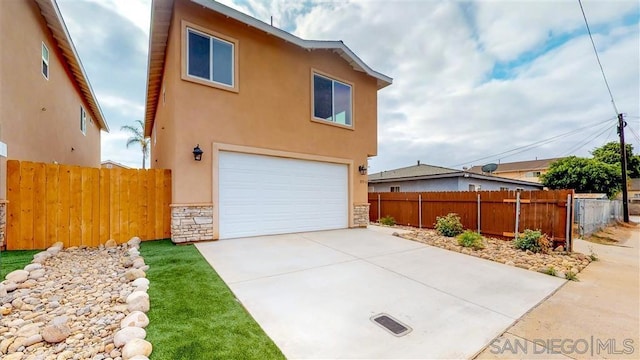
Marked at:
<point>623,162</point>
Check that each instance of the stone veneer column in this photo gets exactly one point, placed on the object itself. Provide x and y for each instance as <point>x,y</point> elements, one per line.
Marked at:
<point>191,222</point>
<point>3,221</point>
<point>361,215</point>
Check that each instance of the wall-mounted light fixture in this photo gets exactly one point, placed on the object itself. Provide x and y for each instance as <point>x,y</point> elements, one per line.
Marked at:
<point>362,169</point>
<point>197,153</point>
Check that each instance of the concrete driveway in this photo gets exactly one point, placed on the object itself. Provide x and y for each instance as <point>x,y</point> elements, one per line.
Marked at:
<point>315,293</point>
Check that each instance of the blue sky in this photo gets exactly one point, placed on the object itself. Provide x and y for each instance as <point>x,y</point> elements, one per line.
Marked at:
<point>471,78</point>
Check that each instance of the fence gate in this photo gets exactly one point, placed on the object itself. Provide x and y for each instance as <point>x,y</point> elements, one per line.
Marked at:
<point>84,206</point>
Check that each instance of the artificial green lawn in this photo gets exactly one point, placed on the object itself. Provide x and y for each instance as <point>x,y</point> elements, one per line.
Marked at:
<point>193,314</point>
<point>14,260</point>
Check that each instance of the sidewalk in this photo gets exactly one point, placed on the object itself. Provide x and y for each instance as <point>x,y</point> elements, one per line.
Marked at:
<point>595,318</point>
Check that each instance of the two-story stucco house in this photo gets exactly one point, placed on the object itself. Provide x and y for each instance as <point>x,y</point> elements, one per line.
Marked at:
<point>285,125</point>
<point>48,111</point>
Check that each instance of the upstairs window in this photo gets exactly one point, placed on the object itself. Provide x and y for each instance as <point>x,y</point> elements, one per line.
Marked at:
<point>45,61</point>
<point>331,100</point>
<point>210,58</point>
<point>83,121</point>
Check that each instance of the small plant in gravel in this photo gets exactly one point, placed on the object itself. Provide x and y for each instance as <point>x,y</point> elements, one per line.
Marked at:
<point>571,276</point>
<point>592,255</point>
<point>387,220</point>
<point>550,271</point>
<point>449,225</point>
<point>534,241</point>
<point>471,239</point>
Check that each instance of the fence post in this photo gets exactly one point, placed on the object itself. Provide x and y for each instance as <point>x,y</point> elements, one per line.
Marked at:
<point>420,211</point>
<point>568,244</point>
<point>378,207</point>
<point>517,212</point>
<point>478,213</point>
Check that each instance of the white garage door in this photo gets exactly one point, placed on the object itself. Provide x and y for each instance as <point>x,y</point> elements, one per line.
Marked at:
<point>264,195</point>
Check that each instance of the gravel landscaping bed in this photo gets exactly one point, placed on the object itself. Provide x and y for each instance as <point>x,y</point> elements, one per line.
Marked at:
<point>503,251</point>
<point>77,303</point>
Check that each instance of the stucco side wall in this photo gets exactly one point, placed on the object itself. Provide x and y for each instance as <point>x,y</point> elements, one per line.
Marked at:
<point>272,109</point>
<point>521,175</point>
<point>39,118</point>
<point>447,184</point>
<point>486,185</point>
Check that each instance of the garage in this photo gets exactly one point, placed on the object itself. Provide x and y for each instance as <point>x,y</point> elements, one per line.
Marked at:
<point>266,195</point>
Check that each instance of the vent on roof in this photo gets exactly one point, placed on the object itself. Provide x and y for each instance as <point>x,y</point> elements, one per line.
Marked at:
<point>390,324</point>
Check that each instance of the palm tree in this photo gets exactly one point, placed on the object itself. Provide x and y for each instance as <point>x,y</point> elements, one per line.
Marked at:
<point>137,137</point>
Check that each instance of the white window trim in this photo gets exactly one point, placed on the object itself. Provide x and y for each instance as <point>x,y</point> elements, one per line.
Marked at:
<point>83,120</point>
<point>313,103</point>
<point>211,37</point>
<point>46,61</point>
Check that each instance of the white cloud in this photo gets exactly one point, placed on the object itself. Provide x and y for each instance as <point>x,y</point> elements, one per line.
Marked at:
<point>445,107</point>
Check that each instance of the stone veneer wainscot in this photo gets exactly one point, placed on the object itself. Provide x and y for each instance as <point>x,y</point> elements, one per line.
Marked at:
<point>191,222</point>
<point>361,215</point>
<point>3,221</point>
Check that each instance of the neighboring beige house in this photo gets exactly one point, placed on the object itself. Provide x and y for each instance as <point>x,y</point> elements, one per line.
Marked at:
<point>634,196</point>
<point>521,170</point>
<point>285,125</point>
<point>48,111</point>
<point>110,164</point>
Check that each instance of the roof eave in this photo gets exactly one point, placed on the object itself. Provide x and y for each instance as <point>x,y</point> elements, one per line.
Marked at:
<point>383,80</point>
<point>51,13</point>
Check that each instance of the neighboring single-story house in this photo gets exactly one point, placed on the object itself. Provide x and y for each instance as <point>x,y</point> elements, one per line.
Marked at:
<point>48,111</point>
<point>529,171</point>
<point>422,177</point>
<point>110,164</point>
<point>265,132</point>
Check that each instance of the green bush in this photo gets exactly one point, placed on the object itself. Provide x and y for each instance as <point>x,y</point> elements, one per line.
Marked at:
<point>571,276</point>
<point>532,240</point>
<point>550,271</point>
<point>449,225</point>
<point>471,239</point>
<point>387,220</point>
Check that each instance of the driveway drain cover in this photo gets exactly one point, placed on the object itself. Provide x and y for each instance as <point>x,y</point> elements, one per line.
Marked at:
<point>390,324</point>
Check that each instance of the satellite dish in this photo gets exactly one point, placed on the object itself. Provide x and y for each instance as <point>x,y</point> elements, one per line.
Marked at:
<point>489,168</point>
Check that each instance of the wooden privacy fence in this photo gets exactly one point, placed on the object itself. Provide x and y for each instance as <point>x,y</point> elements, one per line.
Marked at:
<point>84,206</point>
<point>493,213</point>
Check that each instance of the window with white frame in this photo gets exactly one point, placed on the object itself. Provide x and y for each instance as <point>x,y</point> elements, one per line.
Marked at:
<point>45,61</point>
<point>395,188</point>
<point>331,100</point>
<point>210,58</point>
<point>83,120</point>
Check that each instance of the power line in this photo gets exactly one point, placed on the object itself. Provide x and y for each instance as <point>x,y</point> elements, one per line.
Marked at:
<point>634,133</point>
<point>598,58</point>
<point>535,144</point>
<point>589,140</point>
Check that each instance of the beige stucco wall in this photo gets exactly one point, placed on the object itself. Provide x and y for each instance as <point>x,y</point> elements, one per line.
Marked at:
<point>520,175</point>
<point>39,118</point>
<point>271,110</point>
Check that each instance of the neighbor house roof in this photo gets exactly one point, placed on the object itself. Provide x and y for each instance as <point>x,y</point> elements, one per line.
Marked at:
<point>426,172</point>
<point>529,165</point>
<point>161,11</point>
<point>411,171</point>
<point>53,17</point>
<point>114,163</point>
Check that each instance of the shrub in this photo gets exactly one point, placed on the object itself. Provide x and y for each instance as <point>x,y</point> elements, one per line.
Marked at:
<point>571,276</point>
<point>534,241</point>
<point>471,239</point>
<point>551,271</point>
<point>449,225</point>
<point>387,220</point>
